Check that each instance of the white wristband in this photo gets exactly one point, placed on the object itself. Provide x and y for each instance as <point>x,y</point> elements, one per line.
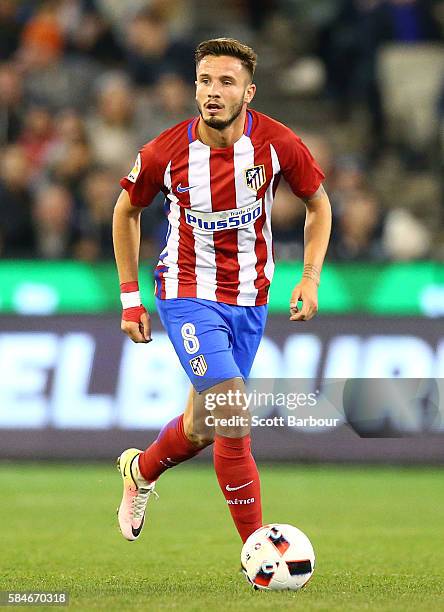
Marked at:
<point>130,299</point>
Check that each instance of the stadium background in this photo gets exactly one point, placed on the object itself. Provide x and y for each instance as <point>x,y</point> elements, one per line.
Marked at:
<point>83,83</point>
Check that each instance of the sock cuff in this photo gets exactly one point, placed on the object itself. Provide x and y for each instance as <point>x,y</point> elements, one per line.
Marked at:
<point>180,427</point>
<point>181,432</point>
<point>235,444</point>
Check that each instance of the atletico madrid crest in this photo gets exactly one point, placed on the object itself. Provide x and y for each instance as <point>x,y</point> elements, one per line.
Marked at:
<point>255,177</point>
<point>199,365</point>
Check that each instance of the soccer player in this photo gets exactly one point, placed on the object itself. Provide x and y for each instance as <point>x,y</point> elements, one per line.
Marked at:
<point>219,172</point>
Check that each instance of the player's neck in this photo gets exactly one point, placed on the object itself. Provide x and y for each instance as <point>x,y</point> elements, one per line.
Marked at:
<point>219,139</point>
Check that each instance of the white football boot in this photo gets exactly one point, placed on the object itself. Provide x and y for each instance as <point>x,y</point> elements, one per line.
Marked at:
<point>136,493</point>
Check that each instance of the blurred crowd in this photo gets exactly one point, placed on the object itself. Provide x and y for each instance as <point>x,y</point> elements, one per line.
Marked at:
<point>85,83</point>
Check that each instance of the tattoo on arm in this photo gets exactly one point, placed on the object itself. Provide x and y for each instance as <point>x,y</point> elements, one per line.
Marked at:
<point>313,272</point>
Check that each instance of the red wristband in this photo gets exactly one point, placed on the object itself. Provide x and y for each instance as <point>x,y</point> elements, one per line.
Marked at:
<point>129,287</point>
<point>130,298</point>
<point>133,314</point>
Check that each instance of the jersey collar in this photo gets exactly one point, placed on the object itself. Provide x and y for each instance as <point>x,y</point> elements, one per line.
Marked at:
<point>192,127</point>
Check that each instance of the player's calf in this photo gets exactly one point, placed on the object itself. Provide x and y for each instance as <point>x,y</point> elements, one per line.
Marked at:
<point>235,467</point>
<point>170,448</point>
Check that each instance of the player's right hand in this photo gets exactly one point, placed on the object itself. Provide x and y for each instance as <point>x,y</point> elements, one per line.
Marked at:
<point>136,324</point>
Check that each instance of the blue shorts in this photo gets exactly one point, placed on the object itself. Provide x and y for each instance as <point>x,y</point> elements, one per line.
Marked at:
<point>214,342</point>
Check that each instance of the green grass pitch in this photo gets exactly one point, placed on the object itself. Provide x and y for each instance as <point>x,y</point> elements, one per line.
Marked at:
<point>377,533</point>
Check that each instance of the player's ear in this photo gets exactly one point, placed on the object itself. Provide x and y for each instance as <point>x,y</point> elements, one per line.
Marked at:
<point>249,93</point>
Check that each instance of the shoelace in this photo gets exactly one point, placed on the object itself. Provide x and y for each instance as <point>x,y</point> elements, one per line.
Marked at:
<point>140,500</point>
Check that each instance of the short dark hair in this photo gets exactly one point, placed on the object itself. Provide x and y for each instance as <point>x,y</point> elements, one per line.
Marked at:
<point>230,47</point>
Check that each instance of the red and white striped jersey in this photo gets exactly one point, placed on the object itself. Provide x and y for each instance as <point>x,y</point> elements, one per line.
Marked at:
<point>219,243</point>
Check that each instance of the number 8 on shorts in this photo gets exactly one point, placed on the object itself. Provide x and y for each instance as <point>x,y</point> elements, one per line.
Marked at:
<point>190,341</point>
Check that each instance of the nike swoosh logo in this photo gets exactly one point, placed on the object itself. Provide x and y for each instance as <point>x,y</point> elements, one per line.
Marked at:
<point>137,531</point>
<point>228,488</point>
<point>181,189</point>
<point>131,469</point>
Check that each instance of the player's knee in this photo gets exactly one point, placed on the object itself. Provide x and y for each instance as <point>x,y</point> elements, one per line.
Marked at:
<point>200,440</point>
<point>197,436</point>
<point>232,422</point>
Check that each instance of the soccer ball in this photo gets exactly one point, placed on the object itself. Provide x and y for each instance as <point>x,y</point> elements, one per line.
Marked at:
<point>278,557</point>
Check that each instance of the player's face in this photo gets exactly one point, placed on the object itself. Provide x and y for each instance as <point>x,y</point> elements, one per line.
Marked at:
<point>223,88</point>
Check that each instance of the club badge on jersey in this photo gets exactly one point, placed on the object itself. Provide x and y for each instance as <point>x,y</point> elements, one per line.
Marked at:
<point>255,177</point>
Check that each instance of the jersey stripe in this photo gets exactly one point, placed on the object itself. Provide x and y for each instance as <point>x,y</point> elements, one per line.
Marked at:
<point>223,197</point>
<point>269,197</point>
<point>169,275</point>
<point>262,283</point>
<point>200,199</point>
<point>246,238</point>
<point>186,255</point>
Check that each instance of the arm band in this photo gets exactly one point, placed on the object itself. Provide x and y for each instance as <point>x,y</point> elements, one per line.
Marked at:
<point>130,295</point>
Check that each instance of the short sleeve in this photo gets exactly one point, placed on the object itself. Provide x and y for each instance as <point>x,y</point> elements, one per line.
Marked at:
<point>298,166</point>
<point>145,180</point>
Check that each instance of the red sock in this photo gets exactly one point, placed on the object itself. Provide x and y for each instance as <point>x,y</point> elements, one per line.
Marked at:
<point>171,447</point>
<point>235,468</point>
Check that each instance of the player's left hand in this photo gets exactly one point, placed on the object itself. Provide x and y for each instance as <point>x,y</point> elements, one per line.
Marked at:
<point>306,292</point>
